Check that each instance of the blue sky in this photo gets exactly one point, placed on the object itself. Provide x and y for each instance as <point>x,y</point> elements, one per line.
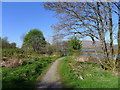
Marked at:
<point>19,18</point>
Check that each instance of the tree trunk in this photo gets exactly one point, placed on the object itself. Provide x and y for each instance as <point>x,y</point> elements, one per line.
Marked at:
<point>110,30</point>
<point>95,49</point>
<point>119,36</point>
<point>102,33</point>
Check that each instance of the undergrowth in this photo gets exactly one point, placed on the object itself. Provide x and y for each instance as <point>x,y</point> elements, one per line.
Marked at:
<point>25,76</point>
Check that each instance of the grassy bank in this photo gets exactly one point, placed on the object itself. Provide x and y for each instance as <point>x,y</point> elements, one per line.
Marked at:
<point>26,75</point>
<point>86,75</point>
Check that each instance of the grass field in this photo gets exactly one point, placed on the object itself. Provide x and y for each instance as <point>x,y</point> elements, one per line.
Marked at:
<point>86,75</point>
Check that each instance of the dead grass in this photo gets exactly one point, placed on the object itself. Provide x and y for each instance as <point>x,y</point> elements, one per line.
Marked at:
<point>82,58</point>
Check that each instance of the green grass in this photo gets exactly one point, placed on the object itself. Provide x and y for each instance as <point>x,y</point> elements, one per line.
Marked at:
<point>98,78</point>
<point>26,75</point>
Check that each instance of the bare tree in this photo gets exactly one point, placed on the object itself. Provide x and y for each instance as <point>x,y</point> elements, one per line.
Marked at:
<point>87,19</point>
<point>117,5</point>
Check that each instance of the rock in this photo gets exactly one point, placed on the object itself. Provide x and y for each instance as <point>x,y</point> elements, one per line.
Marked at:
<point>81,77</point>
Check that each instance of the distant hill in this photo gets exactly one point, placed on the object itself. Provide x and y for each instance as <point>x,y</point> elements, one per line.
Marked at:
<point>88,45</point>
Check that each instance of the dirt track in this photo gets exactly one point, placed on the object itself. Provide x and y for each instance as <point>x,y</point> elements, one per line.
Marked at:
<point>51,79</point>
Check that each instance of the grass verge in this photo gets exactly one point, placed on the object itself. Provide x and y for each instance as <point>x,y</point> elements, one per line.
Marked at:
<point>85,75</point>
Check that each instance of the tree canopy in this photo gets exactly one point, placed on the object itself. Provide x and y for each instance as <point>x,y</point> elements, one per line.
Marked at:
<point>34,39</point>
<point>5,44</point>
<point>75,44</point>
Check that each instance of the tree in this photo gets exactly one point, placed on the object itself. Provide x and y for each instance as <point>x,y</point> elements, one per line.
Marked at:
<point>35,40</point>
<point>13,45</point>
<point>75,44</point>
<point>117,5</point>
<point>49,49</point>
<point>94,20</point>
<point>5,43</point>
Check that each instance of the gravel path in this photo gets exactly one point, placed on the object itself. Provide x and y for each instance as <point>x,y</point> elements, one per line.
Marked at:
<point>51,79</point>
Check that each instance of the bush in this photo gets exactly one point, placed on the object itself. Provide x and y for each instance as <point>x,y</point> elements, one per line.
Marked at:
<point>12,52</point>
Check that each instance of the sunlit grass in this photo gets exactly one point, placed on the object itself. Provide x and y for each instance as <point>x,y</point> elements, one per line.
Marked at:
<point>92,76</point>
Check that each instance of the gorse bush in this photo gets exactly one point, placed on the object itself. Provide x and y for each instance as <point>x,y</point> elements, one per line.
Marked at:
<point>15,57</point>
<point>12,52</point>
